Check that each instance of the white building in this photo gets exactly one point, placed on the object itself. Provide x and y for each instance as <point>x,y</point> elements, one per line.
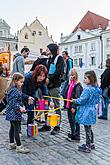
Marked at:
<point>106,43</point>
<point>7,40</point>
<point>35,37</point>
<point>86,43</point>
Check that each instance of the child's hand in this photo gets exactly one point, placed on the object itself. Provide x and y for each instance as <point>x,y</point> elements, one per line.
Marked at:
<point>72,110</point>
<point>30,100</point>
<point>22,109</point>
<point>72,100</point>
<point>51,105</point>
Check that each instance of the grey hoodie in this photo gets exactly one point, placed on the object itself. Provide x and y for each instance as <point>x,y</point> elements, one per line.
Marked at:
<point>18,64</point>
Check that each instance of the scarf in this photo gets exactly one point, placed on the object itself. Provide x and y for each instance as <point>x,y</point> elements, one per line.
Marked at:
<point>71,87</point>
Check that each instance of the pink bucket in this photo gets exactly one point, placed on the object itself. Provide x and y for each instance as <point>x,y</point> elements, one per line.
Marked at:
<point>41,104</point>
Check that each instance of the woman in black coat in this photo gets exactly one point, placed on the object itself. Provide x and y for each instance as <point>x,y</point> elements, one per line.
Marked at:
<point>33,81</point>
<point>105,82</point>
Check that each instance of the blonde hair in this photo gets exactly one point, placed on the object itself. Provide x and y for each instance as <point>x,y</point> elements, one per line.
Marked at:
<point>74,72</point>
<point>15,78</point>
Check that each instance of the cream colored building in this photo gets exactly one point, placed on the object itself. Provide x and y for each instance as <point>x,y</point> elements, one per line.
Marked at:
<point>35,37</point>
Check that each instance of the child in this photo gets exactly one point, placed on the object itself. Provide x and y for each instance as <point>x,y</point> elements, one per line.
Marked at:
<point>74,91</point>
<point>13,112</point>
<point>87,111</point>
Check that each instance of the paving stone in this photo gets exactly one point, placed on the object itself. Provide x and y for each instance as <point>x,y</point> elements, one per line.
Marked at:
<point>56,150</point>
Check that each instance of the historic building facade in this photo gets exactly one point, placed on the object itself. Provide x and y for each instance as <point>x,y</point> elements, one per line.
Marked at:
<point>106,43</point>
<point>7,41</point>
<point>87,42</point>
<point>35,37</point>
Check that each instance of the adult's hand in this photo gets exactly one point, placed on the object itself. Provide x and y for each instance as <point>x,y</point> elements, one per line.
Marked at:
<point>30,100</point>
<point>51,105</point>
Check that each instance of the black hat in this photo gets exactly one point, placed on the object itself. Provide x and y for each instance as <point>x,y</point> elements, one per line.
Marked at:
<point>53,48</point>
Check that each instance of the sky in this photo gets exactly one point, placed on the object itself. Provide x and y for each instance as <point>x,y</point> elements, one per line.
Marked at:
<point>60,16</point>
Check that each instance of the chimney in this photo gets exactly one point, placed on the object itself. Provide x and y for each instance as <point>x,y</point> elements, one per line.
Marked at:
<point>100,26</point>
<point>61,34</point>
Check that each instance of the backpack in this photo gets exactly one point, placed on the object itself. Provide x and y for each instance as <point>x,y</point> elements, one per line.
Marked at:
<point>52,68</point>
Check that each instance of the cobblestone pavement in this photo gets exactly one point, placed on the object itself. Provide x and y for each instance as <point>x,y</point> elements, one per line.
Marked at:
<point>47,149</point>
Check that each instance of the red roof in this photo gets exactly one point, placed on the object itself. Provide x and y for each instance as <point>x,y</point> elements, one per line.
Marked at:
<point>92,21</point>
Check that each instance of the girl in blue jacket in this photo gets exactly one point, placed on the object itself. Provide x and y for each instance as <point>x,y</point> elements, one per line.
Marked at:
<point>87,110</point>
<point>14,111</point>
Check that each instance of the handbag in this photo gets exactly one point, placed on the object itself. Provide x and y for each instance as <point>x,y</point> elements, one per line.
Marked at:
<point>99,106</point>
<point>105,92</point>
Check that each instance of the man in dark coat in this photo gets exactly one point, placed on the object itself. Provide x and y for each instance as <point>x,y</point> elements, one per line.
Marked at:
<point>55,68</point>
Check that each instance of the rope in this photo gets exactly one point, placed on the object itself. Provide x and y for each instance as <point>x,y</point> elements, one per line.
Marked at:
<point>58,98</point>
<point>44,111</point>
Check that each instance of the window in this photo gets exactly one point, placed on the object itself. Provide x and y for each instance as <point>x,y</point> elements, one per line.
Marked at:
<point>26,36</point>
<point>1,33</point>
<point>33,33</point>
<point>40,33</point>
<point>78,49</point>
<point>108,41</point>
<point>71,50</point>
<point>16,47</point>
<point>75,61</point>
<point>93,47</point>
<point>41,50</point>
<point>80,62</point>
<point>79,37</point>
<point>108,56</point>
<point>92,60</point>
<point>66,49</point>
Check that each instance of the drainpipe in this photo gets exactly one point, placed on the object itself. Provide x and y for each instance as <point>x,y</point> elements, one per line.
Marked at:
<point>101,52</point>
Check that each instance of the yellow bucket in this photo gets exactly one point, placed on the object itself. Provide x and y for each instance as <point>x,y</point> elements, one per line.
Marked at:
<point>53,120</point>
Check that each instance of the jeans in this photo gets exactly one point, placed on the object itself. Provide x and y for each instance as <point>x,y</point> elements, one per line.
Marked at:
<point>14,132</point>
<point>105,107</point>
<point>89,134</point>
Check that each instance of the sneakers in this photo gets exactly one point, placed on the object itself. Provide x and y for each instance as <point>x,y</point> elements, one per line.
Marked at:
<point>44,128</point>
<point>84,148</point>
<point>102,117</point>
<point>22,149</point>
<point>55,130</point>
<point>73,137</point>
<point>12,146</point>
<point>92,146</point>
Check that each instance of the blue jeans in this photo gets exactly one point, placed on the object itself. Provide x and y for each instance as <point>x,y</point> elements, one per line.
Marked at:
<point>105,107</point>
